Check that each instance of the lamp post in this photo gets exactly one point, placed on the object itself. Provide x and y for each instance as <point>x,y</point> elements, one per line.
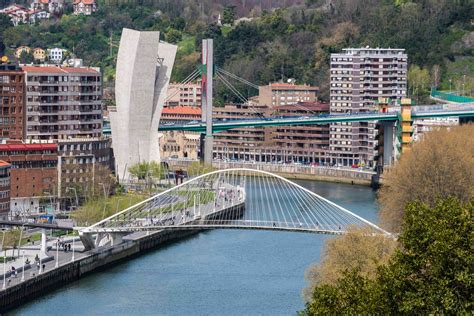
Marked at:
<point>4,261</point>
<point>19,242</point>
<point>57,252</point>
<point>23,272</point>
<point>105,199</point>
<point>450,81</point>
<point>73,244</point>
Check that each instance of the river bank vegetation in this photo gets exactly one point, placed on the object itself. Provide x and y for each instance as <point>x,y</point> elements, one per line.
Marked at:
<point>427,198</point>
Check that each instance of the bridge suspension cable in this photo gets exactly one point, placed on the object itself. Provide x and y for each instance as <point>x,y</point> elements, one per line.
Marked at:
<point>233,76</point>
<point>191,77</point>
<point>238,199</point>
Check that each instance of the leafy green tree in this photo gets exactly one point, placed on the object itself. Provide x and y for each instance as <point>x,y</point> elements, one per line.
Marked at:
<point>431,273</point>
<point>228,16</point>
<point>173,36</point>
<point>5,23</point>
<point>146,170</point>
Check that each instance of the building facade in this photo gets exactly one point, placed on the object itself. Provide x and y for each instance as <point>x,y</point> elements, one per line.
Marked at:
<point>33,176</point>
<point>179,144</point>
<point>63,102</point>
<point>4,190</point>
<point>184,95</point>
<point>140,92</point>
<point>12,102</point>
<point>281,94</point>
<point>56,55</point>
<point>81,161</point>
<point>85,7</point>
<point>358,78</point>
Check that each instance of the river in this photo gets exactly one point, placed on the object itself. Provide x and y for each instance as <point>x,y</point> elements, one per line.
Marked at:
<point>219,272</point>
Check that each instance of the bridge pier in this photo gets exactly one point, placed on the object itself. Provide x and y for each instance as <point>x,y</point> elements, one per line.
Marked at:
<point>388,132</point>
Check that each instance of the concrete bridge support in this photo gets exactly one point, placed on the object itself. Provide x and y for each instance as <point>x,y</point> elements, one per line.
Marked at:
<point>43,242</point>
<point>388,134</point>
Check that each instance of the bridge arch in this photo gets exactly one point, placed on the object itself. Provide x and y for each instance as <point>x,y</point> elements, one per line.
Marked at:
<point>237,198</point>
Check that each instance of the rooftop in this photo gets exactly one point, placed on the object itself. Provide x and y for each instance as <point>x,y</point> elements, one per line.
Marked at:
<point>187,110</point>
<point>59,70</point>
<point>27,147</point>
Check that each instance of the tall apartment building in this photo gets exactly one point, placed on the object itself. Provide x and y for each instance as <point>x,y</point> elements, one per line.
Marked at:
<point>12,102</point>
<point>183,95</point>
<point>63,102</point>
<point>359,76</point>
<point>279,94</point>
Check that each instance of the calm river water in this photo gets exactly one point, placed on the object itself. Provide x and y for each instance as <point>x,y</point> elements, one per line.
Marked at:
<point>220,272</point>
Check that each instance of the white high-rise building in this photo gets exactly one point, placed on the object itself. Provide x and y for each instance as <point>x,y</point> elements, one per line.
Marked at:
<point>359,77</point>
<point>144,65</point>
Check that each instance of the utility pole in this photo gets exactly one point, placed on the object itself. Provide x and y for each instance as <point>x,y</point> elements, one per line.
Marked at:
<point>206,99</point>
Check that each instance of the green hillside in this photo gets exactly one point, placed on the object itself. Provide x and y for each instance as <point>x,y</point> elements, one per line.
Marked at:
<point>290,42</point>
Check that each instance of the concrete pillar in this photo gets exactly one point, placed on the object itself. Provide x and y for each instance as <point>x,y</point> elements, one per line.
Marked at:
<point>206,98</point>
<point>43,242</point>
<point>388,128</point>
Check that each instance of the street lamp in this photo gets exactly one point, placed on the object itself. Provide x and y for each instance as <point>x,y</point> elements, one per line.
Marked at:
<point>450,81</point>
<point>23,272</point>
<point>4,261</point>
<point>57,252</point>
<point>73,244</point>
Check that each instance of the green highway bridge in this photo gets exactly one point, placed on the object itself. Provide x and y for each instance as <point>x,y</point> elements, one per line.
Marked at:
<point>418,112</point>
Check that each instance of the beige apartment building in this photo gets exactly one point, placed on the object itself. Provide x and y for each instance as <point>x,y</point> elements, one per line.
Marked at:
<point>281,94</point>
<point>183,95</point>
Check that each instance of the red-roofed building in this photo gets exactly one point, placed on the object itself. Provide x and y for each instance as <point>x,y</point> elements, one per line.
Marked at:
<point>52,6</point>
<point>86,7</point>
<point>33,175</point>
<point>179,144</point>
<point>4,189</point>
<point>63,102</point>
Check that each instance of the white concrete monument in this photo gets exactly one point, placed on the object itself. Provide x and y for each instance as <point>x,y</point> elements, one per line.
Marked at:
<point>143,72</point>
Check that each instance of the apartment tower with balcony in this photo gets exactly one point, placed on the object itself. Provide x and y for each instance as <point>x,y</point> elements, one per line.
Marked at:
<point>358,78</point>
<point>63,102</point>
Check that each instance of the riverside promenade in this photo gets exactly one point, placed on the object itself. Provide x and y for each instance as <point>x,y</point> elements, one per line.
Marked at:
<point>61,268</point>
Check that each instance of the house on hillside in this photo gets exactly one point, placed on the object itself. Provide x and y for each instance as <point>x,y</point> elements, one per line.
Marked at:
<point>39,54</point>
<point>22,49</point>
<point>86,7</point>
<point>56,54</point>
<point>51,6</point>
<point>17,13</point>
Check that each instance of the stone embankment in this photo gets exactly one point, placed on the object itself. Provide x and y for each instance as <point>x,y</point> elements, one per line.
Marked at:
<point>96,260</point>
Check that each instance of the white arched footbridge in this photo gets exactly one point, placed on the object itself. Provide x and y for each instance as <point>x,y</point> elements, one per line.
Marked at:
<point>233,198</point>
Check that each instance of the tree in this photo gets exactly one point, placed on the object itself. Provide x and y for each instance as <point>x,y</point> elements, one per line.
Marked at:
<point>441,164</point>
<point>418,80</point>
<point>146,170</point>
<point>228,17</point>
<point>173,36</point>
<point>358,250</point>
<point>431,273</point>
<point>5,23</point>
<point>196,168</point>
